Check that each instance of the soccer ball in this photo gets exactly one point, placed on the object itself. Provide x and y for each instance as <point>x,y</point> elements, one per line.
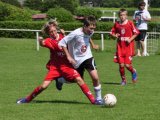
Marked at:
<point>109,100</point>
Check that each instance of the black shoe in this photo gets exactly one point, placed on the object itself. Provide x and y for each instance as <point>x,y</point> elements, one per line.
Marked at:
<point>58,85</point>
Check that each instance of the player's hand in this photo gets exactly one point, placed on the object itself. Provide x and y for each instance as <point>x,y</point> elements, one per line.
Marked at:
<point>96,47</point>
<point>117,35</point>
<point>128,41</point>
<point>71,60</point>
<point>62,31</point>
<point>40,38</point>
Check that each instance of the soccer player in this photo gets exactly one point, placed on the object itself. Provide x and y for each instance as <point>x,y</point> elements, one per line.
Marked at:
<point>141,16</point>
<point>76,46</point>
<point>57,66</point>
<point>125,32</point>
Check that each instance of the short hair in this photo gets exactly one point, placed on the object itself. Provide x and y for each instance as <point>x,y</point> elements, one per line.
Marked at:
<point>90,20</point>
<point>53,22</point>
<point>46,26</point>
<point>142,3</point>
<point>122,10</point>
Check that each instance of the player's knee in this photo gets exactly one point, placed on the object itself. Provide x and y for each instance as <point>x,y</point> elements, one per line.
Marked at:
<point>127,65</point>
<point>79,80</point>
<point>122,65</point>
<point>45,84</point>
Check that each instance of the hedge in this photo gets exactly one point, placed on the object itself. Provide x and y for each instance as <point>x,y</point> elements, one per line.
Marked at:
<point>36,25</point>
<point>10,12</point>
<point>61,14</point>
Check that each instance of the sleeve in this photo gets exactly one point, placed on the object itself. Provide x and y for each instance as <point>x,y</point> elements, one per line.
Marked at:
<point>66,39</point>
<point>148,15</point>
<point>113,30</point>
<point>134,29</point>
<point>48,44</point>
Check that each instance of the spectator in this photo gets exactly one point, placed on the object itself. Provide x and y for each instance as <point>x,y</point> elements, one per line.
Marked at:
<point>141,16</point>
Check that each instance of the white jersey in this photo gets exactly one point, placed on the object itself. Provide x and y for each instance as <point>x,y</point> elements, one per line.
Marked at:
<point>141,24</point>
<point>78,44</point>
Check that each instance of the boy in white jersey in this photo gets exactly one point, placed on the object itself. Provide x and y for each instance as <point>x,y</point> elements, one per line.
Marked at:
<point>141,16</point>
<point>76,46</point>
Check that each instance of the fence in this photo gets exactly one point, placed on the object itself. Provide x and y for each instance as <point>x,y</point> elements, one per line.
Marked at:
<point>151,43</point>
<point>37,35</point>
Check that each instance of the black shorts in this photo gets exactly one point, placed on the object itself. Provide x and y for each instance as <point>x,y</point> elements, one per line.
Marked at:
<point>142,35</point>
<point>88,64</point>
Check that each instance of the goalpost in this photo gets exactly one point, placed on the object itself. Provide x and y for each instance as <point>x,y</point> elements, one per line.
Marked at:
<point>145,40</point>
<point>151,42</point>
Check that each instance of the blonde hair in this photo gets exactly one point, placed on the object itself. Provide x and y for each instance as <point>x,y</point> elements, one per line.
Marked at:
<point>46,27</point>
<point>122,10</point>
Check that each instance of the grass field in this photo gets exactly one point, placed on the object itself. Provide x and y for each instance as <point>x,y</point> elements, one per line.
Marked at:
<point>22,68</point>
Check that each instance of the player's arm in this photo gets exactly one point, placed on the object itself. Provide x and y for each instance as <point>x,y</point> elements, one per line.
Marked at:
<point>62,32</point>
<point>113,32</point>
<point>70,59</point>
<point>135,33</point>
<point>45,43</point>
<point>63,44</point>
<point>41,41</point>
<point>132,38</point>
<point>94,46</point>
<point>147,17</point>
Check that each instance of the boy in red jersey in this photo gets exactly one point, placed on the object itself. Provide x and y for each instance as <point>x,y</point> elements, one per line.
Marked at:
<point>125,32</point>
<point>57,66</point>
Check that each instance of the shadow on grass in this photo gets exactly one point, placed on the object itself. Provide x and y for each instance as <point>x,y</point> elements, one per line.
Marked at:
<point>57,101</point>
<point>111,83</point>
<point>114,83</point>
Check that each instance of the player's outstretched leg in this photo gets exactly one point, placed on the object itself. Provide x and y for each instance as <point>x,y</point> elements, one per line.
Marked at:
<point>35,92</point>
<point>29,98</point>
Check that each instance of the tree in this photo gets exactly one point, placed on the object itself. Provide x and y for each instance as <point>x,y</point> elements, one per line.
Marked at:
<point>70,5</point>
<point>12,2</point>
<point>34,4</point>
<point>45,5</point>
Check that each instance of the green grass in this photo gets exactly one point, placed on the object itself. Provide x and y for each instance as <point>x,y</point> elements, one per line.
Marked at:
<point>22,68</point>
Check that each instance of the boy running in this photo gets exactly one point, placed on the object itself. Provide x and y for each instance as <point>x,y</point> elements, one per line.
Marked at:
<point>76,46</point>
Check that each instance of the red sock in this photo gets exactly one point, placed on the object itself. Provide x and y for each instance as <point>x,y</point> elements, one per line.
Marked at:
<point>88,93</point>
<point>122,73</point>
<point>35,92</point>
<point>131,69</point>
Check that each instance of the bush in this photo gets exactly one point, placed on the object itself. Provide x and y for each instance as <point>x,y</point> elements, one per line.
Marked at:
<point>85,11</point>
<point>37,25</point>
<point>61,14</point>
<point>12,2</point>
<point>10,12</point>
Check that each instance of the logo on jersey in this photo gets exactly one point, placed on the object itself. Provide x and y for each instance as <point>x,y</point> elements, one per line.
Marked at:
<point>123,31</point>
<point>83,48</point>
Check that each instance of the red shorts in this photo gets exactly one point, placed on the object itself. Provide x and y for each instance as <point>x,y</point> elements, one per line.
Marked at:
<point>123,59</point>
<point>67,72</point>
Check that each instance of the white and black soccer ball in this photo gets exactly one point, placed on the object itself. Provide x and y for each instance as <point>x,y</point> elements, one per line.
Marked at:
<point>109,100</point>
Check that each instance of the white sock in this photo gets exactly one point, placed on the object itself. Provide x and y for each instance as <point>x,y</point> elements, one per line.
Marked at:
<point>98,92</point>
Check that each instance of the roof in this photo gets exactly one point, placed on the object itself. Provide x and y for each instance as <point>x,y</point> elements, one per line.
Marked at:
<point>39,16</point>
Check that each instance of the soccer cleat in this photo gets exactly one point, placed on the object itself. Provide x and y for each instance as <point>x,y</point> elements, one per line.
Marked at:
<point>58,85</point>
<point>123,82</point>
<point>98,102</point>
<point>22,100</point>
<point>134,77</point>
